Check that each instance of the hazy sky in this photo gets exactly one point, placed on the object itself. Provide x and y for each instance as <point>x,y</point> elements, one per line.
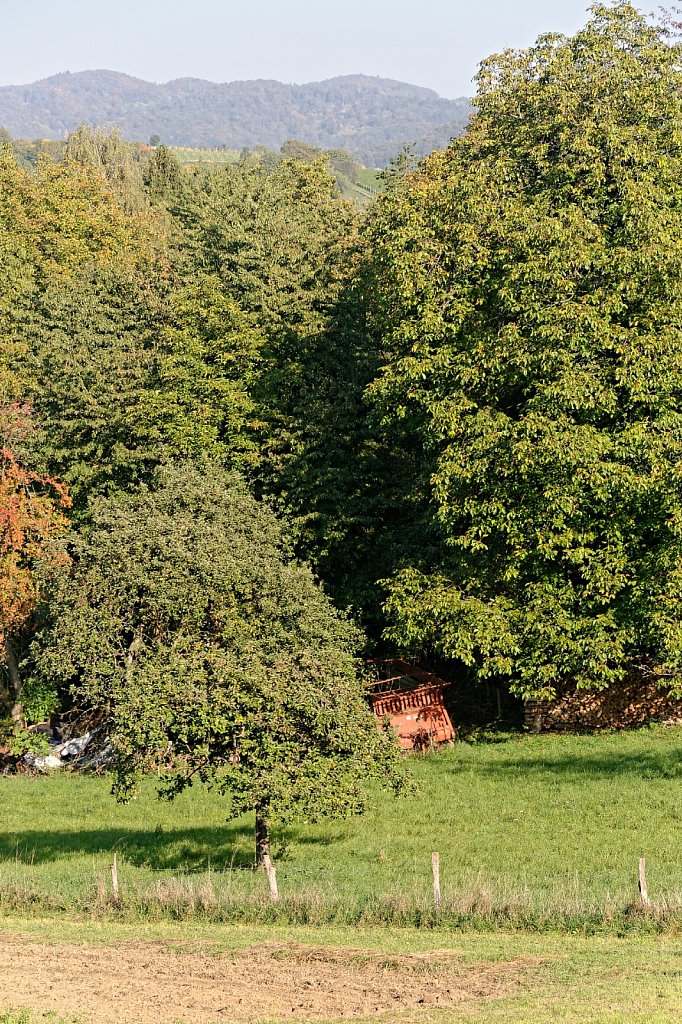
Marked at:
<point>437,43</point>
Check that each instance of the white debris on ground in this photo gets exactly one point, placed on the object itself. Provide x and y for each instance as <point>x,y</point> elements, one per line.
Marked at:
<point>43,763</point>
<point>76,752</point>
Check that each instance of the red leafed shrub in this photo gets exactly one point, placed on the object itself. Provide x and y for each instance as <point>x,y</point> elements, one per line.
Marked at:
<point>31,522</point>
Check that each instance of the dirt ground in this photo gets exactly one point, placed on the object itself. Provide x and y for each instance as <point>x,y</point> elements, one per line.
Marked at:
<point>152,983</point>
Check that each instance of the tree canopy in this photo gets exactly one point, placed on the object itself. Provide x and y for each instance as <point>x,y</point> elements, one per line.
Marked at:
<point>528,288</point>
<point>215,654</point>
<point>462,401</point>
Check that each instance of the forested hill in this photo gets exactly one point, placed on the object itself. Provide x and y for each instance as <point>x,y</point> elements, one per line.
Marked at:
<point>371,117</point>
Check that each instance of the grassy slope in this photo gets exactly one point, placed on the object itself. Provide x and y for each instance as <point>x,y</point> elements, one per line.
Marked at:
<point>536,826</point>
<point>370,178</point>
<point>368,184</point>
<point>195,157</point>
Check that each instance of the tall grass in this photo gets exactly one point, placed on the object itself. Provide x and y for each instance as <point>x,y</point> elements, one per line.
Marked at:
<point>481,907</point>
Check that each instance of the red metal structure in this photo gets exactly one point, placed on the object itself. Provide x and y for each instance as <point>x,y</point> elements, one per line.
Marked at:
<point>412,700</point>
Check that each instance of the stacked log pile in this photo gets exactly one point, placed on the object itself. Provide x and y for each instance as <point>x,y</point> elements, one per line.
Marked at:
<point>634,702</point>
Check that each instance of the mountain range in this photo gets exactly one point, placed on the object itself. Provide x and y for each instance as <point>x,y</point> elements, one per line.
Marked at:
<point>371,117</point>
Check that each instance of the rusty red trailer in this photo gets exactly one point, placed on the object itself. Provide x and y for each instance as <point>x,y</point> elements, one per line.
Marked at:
<point>412,700</point>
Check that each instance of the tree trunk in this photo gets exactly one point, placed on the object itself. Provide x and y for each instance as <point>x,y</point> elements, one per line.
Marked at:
<point>262,838</point>
<point>14,705</point>
<point>263,852</point>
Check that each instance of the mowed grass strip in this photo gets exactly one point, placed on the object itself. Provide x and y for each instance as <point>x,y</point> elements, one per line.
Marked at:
<point>536,831</point>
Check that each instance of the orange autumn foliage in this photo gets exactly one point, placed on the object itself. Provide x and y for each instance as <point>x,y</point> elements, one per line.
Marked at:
<point>31,521</point>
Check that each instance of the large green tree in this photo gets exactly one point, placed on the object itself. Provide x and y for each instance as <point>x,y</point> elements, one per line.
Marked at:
<point>215,655</point>
<point>279,248</point>
<point>81,284</point>
<point>528,289</point>
<point>129,357</point>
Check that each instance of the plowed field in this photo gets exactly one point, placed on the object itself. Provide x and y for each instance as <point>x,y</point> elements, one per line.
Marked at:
<point>153,983</point>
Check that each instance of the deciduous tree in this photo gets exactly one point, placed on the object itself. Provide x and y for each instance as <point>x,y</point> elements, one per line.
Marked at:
<point>215,655</point>
<point>528,288</point>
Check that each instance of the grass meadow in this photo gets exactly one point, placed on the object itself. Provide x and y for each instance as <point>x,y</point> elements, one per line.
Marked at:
<point>534,832</point>
<point>194,156</point>
<point>539,838</point>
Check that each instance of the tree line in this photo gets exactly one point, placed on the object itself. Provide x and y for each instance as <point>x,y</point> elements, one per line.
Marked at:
<point>252,434</point>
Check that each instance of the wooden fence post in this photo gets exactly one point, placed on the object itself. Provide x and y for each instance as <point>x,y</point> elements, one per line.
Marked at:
<point>643,890</point>
<point>272,877</point>
<point>435,864</point>
<point>114,882</point>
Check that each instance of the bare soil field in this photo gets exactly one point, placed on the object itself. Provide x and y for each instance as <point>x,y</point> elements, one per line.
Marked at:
<point>149,982</point>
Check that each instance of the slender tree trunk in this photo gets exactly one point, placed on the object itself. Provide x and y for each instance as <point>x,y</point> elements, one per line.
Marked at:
<point>14,705</point>
<point>262,838</point>
<point>263,852</point>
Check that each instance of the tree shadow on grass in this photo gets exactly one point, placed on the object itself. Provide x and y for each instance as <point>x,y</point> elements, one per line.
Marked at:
<point>188,850</point>
<point>611,764</point>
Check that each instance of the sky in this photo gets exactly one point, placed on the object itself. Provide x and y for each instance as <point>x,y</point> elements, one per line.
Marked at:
<point>435,43</point>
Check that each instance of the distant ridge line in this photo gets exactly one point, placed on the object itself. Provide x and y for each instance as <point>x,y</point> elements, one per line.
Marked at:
<point>370,116</point>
